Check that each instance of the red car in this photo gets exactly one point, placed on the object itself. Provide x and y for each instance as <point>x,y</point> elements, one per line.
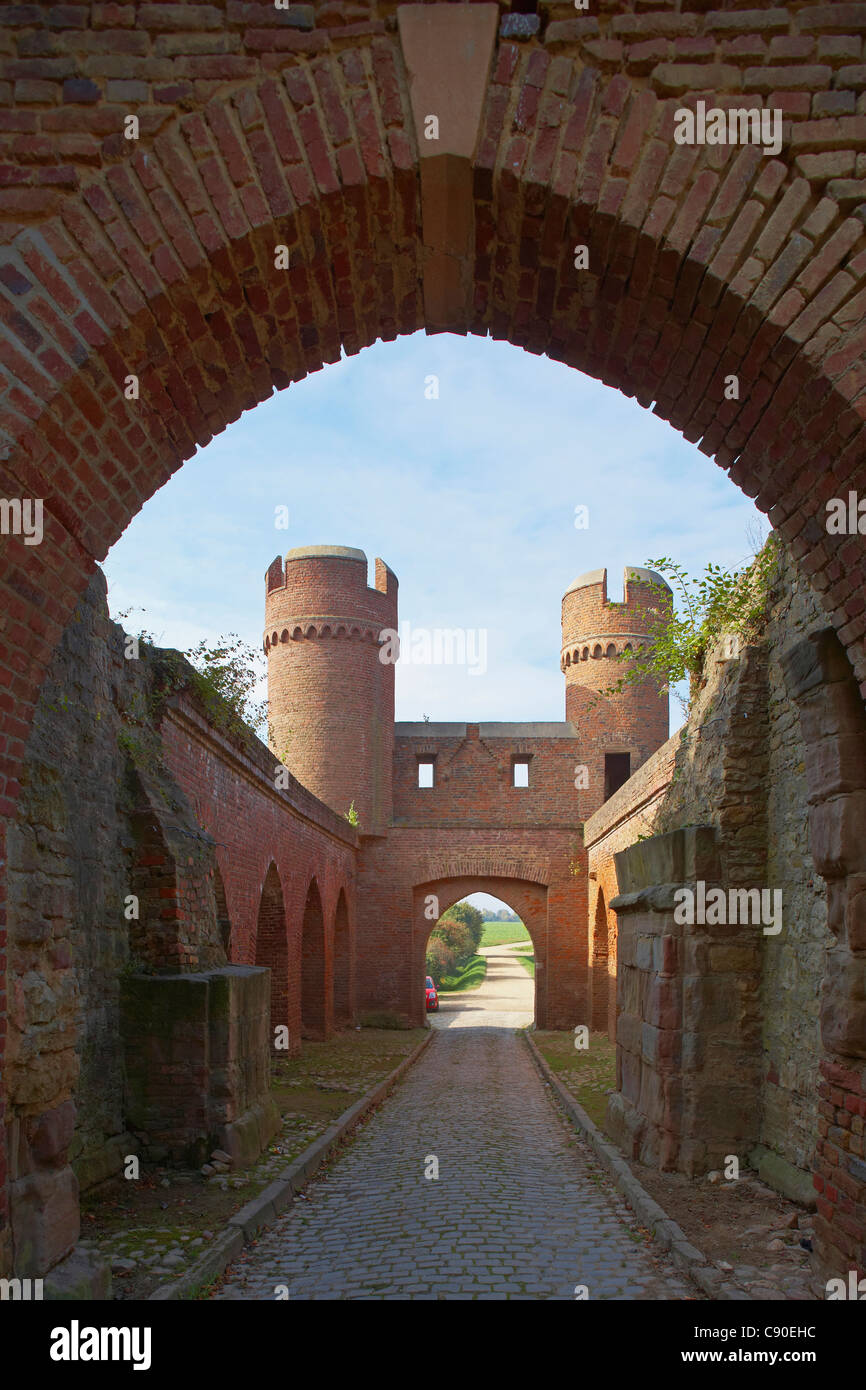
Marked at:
<point>432,997</point>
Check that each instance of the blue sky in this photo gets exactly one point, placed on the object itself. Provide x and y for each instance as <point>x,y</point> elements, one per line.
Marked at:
<point>470,498</point>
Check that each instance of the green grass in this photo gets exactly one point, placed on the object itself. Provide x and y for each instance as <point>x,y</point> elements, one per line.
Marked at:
<point>469,977</point>
<point>502,933</point>
<point>588,1073</point>
<point>528,963</point>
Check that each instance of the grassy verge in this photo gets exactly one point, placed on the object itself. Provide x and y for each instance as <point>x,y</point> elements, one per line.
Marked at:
<point>503,933</point>
<point>171,1214</point>
<point>589,1073</point>
<point>469,977</point>
<point>528,963</point>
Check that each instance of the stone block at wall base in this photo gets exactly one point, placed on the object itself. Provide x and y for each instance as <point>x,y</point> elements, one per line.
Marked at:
<point>45,1220</point>
<point>84,1275</point>
<point>782,1176</point>
<point>625,1124</point>
<point>246,1137</point>
<point>197,1049</point>
<point>94,1167</point>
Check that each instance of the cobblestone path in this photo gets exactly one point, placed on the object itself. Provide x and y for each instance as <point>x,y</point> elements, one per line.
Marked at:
<point>519,1209</point>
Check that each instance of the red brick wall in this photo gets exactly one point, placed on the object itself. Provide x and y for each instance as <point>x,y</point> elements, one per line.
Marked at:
<point>261,126</point>
<point>833,725</point>
<point>528,868</point>
<point>594,633</point>
<point>473,776</point>
<point>261,831</point>
<point>331,697</point>
<point>628,814</point>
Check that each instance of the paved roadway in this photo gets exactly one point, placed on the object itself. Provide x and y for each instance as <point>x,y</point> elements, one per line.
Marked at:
<point>519,1209</point>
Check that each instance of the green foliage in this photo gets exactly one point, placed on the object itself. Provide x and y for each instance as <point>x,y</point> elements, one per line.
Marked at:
<point>575,862</point>
<point>503,933</point>
<point>226,675</point>
<point>454,941</point>
<point>457,938</point>
<point>470,917</point>
<point>352,815</point>
<point>718,602</point>
<point>528,963</point>
<point>440,960</point>
<point>468,976</point>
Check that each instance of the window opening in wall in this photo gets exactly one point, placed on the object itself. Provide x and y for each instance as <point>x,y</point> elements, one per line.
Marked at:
<point>617,769</point>
<point>425,772</point>
<point>520,772</point>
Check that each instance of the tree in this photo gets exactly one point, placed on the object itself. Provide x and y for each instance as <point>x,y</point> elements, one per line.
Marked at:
<point>470,917</point>
<point>457,937</point>
<point>440,959</point>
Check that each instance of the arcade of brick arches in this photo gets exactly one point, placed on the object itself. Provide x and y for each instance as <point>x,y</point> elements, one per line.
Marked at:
<point>156,253</point>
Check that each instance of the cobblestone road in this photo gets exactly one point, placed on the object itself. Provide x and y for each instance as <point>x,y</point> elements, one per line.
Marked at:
<point>519,1209</point>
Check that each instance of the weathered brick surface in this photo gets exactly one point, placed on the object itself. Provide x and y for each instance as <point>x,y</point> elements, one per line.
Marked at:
<point>333,729</point>
<point>169,272</point>
<point>596,634</point>
<point>626,816</point>
<point>331,709</point>
<point>113,805</point>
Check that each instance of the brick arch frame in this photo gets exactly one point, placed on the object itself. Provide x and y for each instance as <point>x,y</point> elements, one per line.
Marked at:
<point>317,1008</point>
<point>157,260</point>
<point>271,946</point>
<point>343,938</point>
<point>525,896</point>
<point>603,918</point>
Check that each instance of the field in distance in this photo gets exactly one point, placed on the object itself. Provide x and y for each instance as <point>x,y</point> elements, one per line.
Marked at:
<point>503,933</point>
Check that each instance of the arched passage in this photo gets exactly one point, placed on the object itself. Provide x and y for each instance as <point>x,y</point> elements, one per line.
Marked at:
<point>527,899</point>
<point>599,980</point>
<point>316,1011</point>
<point>272,946</point>
<point>499,993</point>
<point>705,266</point>
<point>342,965</point>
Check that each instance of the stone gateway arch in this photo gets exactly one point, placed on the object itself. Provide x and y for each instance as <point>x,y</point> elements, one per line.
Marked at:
<point>204,203</point>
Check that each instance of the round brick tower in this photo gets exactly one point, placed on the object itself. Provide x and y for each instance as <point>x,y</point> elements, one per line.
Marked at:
<point>619,731</point>
<point>330,698</point>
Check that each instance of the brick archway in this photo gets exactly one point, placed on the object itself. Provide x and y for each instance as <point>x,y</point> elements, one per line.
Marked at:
<point>316,1001</point>
<point>603,1008</point>
<point>343,1007</point>
<point>526,897</point>
<point>155,259</point>
<point>272,945</point>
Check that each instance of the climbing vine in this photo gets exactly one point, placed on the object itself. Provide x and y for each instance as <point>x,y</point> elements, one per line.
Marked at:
<point>720,602</point>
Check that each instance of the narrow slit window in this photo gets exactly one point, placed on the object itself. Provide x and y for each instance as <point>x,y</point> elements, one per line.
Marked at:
<point>425,772</point>
<point>520,772</point>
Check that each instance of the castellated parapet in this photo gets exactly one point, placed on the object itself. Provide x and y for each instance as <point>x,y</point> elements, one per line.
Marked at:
<point>595,631</point>
<point>331,699</point>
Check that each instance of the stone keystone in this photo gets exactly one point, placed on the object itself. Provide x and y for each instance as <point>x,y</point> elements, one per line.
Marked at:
<point>448,50</point>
